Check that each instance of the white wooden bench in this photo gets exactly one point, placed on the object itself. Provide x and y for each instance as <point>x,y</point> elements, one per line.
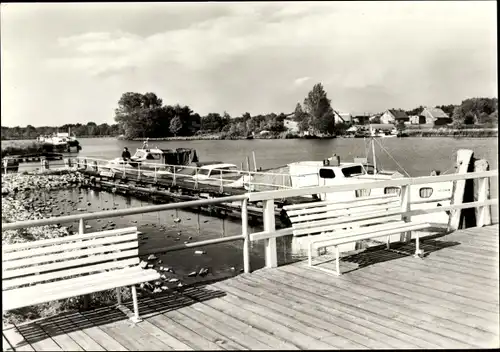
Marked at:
<point>53,269</point>
<point>334,223</point>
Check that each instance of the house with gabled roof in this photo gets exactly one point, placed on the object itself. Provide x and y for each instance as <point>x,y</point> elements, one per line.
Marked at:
<point>394,116</point>
<point>435,116</point>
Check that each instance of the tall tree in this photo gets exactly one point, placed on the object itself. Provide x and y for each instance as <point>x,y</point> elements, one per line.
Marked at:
<point>301,118</point>
<point>318,108</point>
<point>175,125</point>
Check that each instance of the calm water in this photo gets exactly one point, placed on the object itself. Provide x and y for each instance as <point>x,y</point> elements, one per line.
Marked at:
<point>418,156</point>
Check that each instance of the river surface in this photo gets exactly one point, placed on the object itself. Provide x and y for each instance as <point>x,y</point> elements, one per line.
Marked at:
<point>418,156</point>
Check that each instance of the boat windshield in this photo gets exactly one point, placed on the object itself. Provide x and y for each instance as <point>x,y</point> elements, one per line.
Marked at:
<point>139,154</point>
<point>204,172</point>
<point>353,171</point>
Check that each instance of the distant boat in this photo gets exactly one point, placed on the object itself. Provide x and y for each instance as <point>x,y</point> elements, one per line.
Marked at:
<point>62,141</point>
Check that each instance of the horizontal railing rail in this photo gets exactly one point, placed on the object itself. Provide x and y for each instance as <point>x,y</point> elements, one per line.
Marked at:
<point>296,192</point>
<point>121,212</point>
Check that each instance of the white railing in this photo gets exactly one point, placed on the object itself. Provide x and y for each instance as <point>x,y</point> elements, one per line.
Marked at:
<point>268,198</point>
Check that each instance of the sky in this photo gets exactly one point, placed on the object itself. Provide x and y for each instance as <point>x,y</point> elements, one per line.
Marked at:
<point>71,62</point>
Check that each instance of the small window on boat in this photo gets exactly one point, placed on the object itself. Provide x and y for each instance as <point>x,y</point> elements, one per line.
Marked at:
<point>353,171</point>
<point>153,156</point>
<point>203,172</point>
<point>425,192</point>
<point>326,173</point>
<point>363,192</point>
<point>392,190</point>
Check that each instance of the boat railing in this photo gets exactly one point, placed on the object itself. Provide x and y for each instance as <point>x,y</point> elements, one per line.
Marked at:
<point>190,173</point>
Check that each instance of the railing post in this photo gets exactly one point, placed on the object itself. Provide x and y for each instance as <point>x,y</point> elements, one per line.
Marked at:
<point>174,180</point>
<point>5,165</point>
<point>270,227</point>
<point>138,171</point>
<point>156,180</point>
<point>482,194</point>
<point>405,207</point>
<point>81,231</point>
<point>244,231</point>
<point>196,179</point>
<point>464,158</point>
<point>221,189</point>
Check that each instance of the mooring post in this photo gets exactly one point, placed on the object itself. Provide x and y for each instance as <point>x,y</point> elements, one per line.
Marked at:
<point>405,207</point>
<point>464,157</point>
<point>482,194</point>
<point>270,227</point>
<point>244,232</point>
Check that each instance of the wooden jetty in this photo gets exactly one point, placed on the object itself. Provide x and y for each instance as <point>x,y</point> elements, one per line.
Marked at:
<point>385,299</point>
<point>183,189</point>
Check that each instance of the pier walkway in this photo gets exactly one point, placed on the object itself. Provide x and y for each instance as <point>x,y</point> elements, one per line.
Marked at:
<point>450,299</point>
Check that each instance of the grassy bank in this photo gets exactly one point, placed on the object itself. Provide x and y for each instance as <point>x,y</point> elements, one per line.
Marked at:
<point>449,132</point>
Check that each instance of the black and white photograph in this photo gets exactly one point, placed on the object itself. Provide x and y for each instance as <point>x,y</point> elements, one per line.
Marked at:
<point>249,175</point>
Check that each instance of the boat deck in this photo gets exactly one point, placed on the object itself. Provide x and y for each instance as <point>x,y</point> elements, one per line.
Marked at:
<point>385,299</point>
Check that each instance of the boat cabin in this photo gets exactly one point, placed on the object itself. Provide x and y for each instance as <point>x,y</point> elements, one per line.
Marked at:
<point>179,156</point>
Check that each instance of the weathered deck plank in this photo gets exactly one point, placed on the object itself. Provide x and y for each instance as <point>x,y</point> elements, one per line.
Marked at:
<point>448,299</point>
<point>392,307</point>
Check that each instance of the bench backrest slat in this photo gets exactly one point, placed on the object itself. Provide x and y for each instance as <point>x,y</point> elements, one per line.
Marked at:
<point>344,213</point>
<point>378,215</point>
<point>336,206</point>
<point>51,259</point>
<point>6,284</point>
<point>346,225</point>
<point>66,239</point>
<point>45,251</point>
<point>291,207</point>
<point>68,255</point>
<point>7,274</point>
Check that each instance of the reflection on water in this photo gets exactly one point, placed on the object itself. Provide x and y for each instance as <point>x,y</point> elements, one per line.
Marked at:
<point>160,230</point>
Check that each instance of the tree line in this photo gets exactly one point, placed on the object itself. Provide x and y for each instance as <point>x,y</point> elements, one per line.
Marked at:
<point>144,115</point>
<point>91,129</point>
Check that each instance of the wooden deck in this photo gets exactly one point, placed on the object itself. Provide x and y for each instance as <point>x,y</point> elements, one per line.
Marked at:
<point>449,299</point>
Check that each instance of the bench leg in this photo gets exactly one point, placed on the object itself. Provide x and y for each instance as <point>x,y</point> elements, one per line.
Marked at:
<point>418,252</point>
<point>118,296</point>
<point>310,254</point>
<point>337,262</point>
<point>388,245</point>
<point>136,317</point>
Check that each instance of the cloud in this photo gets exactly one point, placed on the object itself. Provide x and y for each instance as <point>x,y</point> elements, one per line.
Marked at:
<point>301,80</point>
